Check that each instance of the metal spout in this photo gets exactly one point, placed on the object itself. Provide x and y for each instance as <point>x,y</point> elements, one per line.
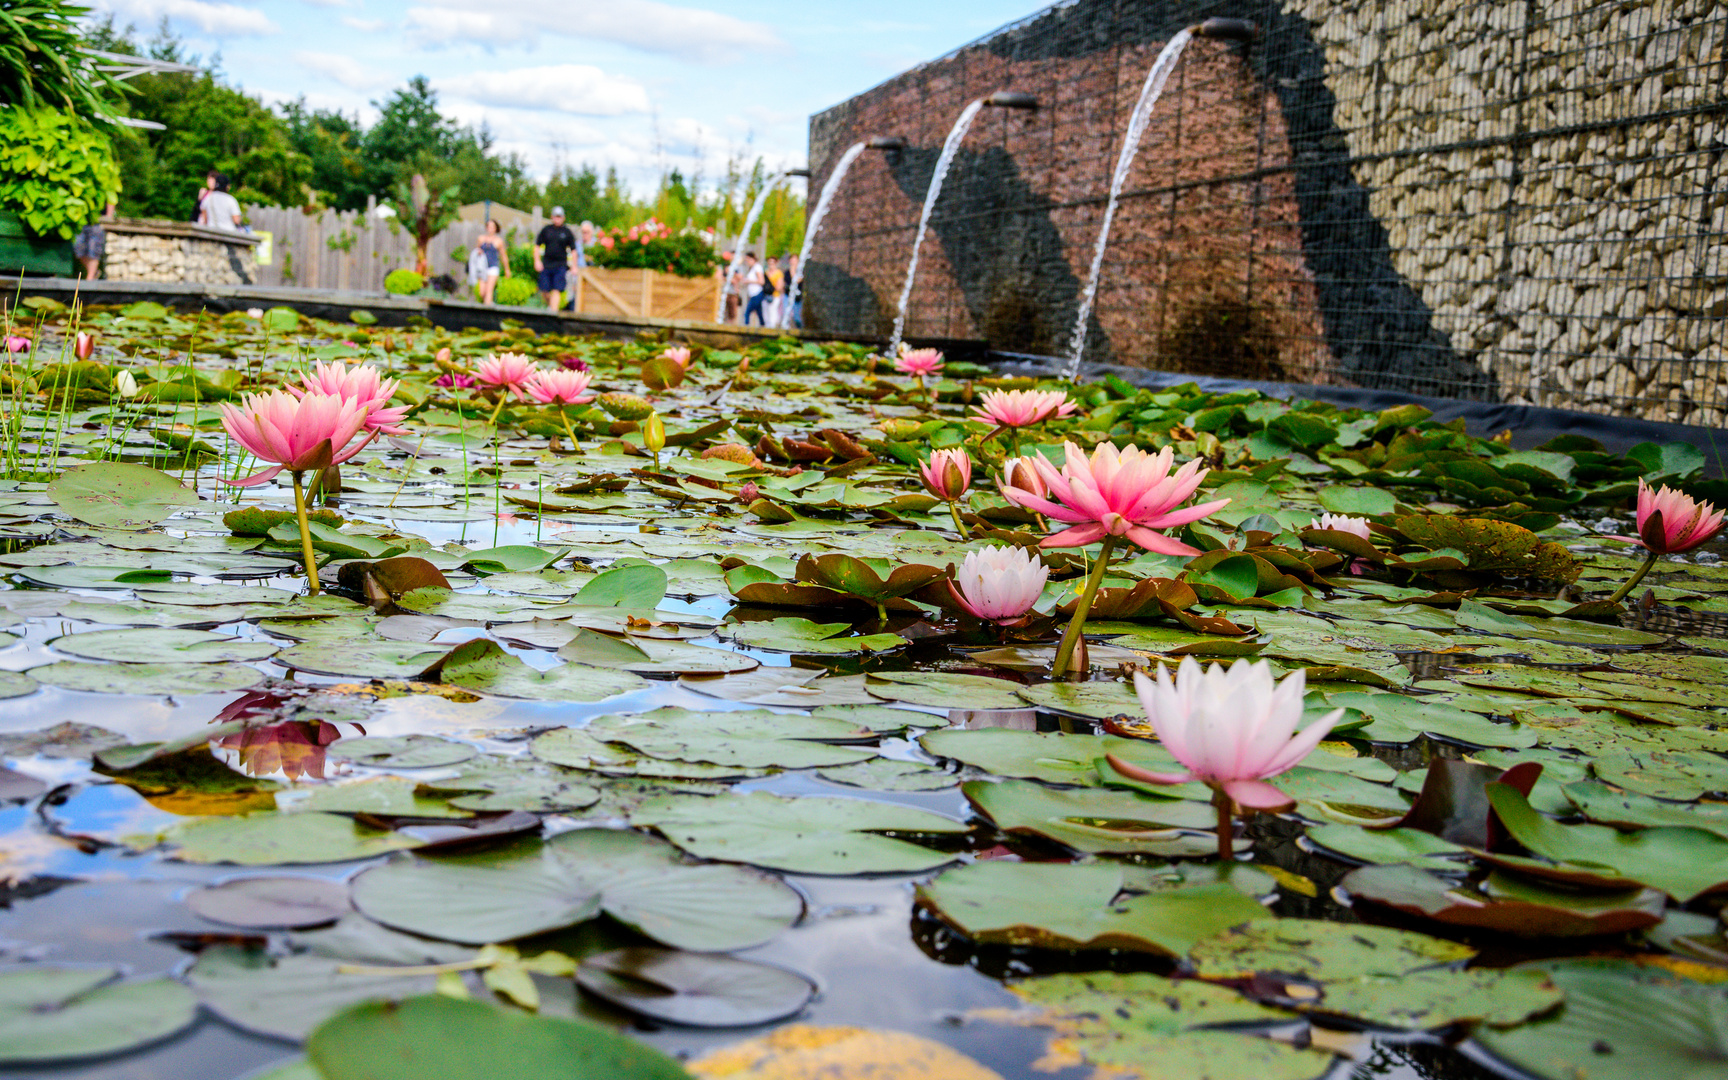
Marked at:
<point>1226,29</point>
<point>886,142</point>
<point>1011,99</point>
<point>805,173</point>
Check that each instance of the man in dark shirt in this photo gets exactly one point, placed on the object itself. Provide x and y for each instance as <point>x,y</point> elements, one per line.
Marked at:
<point>552,250</point>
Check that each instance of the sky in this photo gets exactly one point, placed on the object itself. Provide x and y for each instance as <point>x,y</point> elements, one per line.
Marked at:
<point>646,85</point>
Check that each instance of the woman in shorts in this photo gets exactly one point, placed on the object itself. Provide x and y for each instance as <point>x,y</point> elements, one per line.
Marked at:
<point>491,244</point>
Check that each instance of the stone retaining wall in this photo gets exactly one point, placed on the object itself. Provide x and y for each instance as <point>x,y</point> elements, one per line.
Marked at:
<point>171,251</point>
<point>1515,202</point>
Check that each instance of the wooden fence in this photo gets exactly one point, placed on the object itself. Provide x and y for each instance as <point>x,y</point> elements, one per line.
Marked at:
<point>354,249</point>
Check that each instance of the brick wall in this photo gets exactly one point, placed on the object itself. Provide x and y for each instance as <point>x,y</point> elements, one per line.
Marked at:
<point>1391,193</point>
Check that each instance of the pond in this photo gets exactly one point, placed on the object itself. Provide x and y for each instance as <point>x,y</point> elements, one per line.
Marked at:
<point>639,723</point>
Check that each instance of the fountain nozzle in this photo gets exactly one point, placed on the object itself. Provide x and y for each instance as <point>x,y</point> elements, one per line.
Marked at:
<point>885,142</point>
<point>805,173</point>
<point>1012,99</point>
<point>1226,29</point>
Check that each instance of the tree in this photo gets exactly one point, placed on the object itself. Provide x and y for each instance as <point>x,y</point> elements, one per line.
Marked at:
<point>427,210</point>
<point>43,63</point>
<point>331,142</point>
<point>208,125</point>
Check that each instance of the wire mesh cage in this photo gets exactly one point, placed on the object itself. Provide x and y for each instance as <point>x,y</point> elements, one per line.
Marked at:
<point>1515,202</point>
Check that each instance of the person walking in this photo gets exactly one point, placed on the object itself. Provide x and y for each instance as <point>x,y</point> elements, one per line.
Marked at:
<point>729,285</point>
<point>220,210</point>
<point>490,246</point>
<point>198,200</point>
<point>91,244</point>
<point>794,295</point>
<point>776,290</point>
<point>552,250</point>
<point>755,281</point>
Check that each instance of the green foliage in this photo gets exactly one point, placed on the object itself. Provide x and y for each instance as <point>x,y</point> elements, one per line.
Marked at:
<point>57,171</point>
<point>514,291</point>
<point>403,282</point>
<point>256,521</point>
<point>42,60</point>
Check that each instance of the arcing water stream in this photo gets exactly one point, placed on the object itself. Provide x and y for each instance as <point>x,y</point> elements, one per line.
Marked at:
<point>1149,93</point>
<point>821,211</point>
<point>949,149</point>
<point>756,206</point>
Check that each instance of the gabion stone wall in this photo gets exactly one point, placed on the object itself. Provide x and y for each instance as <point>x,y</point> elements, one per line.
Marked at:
<point>141,249</point>
<point>1514,202</point>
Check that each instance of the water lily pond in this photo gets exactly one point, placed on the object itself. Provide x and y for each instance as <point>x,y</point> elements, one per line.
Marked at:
<point>646,736</point>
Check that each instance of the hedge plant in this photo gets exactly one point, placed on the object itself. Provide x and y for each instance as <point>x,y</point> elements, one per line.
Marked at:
<point>403,282</point>
<point>57,171</point>
<point>514,291</point>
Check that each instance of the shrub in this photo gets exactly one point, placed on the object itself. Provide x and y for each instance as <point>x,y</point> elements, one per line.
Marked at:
<point>403,282</point>
<point>514,291</point>
<point>57,172</point>
<point>654,246</point>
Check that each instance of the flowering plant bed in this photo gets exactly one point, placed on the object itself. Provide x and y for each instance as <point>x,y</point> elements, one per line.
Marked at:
<point>399,666</point>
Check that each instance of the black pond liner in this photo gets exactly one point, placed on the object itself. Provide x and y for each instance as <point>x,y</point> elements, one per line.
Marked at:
<point>1531,425</point>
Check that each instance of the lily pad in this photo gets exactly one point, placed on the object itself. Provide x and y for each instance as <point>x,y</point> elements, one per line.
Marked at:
<point>883,774</point>
<point>119,495</point>
<point>154,646</point>
<point>1096,820</point>
<point>271,902</point>
<point>54,1013</point>
<point>646,656</point>
<point>1509,905</point>
<point>281,839</point>
<point>402,751</point>
<point>751,739</point>
<point>944,690</point>
<point>694,989</point>
<point>484,666</point>
<point>176,679</point>
<point>532,888</point>
<point>799,635</point>
<point>806,835</point>
<point>1080,906</point>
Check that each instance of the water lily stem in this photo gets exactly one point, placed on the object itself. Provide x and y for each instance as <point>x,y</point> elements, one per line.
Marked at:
<point>959,525</point>
<point>1077,625</point>
<point>1632,582</point>
<point>568,430</point>
<point>492,421</point>
<point>305,536</point>
<point>1226,827</point>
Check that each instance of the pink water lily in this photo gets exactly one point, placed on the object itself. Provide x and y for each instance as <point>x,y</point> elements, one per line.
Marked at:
<point>560,387</point>
<point>456,382</point>
<point>313,431</point>
<point>919,362</point>
<point>507,372</point>
<point>361,383</point>
<point>1232,729</point>
<point>83,345</point>
<point>1019,472</point>
<point>1669,522</point>
<point>679,355</point>
<point>999,584</point>
<point>1343,523</point>
<point>14,343</point>
<point>948,473</point>
<point>1118,493</point>
<point>1022,408</point>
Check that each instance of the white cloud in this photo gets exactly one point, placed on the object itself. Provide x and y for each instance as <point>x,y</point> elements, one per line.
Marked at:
<point>687,33</point>
<point>329,3</point>
<point>215,19</point>
<point>365,26</point>
<point>344,70</point>
<point>570,88</point>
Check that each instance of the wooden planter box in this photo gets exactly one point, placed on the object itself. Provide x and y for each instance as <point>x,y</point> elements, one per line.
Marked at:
<point>22,253</point>
<point>646,294</point>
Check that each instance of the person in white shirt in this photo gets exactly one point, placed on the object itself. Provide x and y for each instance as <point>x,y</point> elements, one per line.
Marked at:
<point>754,279</point>
<point>220,210</point>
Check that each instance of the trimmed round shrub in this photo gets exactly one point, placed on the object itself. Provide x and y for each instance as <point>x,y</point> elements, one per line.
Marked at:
<point>514,291</point>
<point>403,282</point>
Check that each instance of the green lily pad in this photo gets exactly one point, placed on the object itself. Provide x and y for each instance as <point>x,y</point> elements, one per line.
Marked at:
<point>513,558</point>
<point>281,839</point>
<point>646,656</point>
<point>1682,862</point>
<point>54,1013</point>
<point>1079,906</point>
<point>440,1038</point>
<point>17,684</point>
<point>1320,951</point>
<point>1508,904</point>
<point>485,667</point>
<point>119,495</point>
<point>1399,718</point>
<point>1474,616</point>
<point>1100,700</point>
<point>1388,846</point>
<point>372,658</point>
<point>883,774</point>
<point>1661,773</point>
<point>177,679</point>
<point>536,887</point>
<point>154,646</point>
<point>379,796</point>
<point>402,751</point>
<point>1621,1021</point>
<point>807,835</point>
<point>750,739</point>
<point>579,748</point>
<point>1605,806</point>
<point>1053,757</point>
<point>1097,820</point>
<point>799,635</point>
<point>638,587</point>
<point>694,989</point>
<point>945,690</point>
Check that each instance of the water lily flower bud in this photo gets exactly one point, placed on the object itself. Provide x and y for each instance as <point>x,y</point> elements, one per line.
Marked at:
<point>948,474</point>
<point>83,345</point>
<point>442,356</point>
<point>125,385</point>
<point>749,492</point>
<point>654,433</point>
<point>1018,474</point>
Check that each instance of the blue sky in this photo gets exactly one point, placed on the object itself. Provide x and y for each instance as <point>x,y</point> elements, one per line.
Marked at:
<point>643,84</point>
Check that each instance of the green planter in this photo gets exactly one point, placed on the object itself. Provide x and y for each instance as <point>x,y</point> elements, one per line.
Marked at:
<point>22,253</point>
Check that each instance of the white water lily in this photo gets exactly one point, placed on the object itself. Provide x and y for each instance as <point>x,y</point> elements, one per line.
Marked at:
<point>125,385</point>
<point>999,584</point>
